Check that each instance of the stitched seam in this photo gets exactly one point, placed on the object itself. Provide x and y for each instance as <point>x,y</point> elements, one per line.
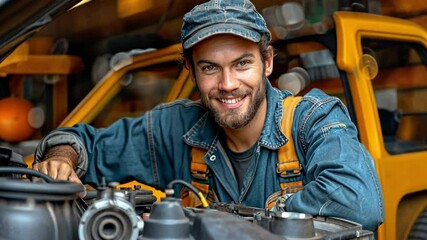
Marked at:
<point>325,129</point>
<point>194,129</point>
<point>316,105</point>
<point>152,152</point>
<point>325,205</point>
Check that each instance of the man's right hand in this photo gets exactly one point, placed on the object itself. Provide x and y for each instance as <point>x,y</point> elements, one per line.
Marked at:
<point>60,163</point>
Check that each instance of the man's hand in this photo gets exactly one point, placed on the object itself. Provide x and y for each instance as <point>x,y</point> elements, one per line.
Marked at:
<point>60,163</point>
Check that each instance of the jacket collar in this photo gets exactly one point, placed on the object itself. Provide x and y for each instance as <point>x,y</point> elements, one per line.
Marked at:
<point>204,133</point>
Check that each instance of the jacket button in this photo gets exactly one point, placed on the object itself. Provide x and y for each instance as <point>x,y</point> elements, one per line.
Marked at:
<point>212,158</point>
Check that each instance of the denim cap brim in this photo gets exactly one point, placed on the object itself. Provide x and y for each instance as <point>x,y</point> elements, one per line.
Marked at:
<point>237,17</point>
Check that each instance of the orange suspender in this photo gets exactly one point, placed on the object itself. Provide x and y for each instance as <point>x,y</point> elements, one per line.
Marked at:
<point>199,170</point>
<point>287,165</point>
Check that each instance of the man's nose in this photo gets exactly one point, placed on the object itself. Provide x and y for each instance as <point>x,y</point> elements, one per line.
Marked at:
<point>228,81</point>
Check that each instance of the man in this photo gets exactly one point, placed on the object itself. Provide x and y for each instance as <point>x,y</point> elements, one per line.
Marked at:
<point>227,50</point>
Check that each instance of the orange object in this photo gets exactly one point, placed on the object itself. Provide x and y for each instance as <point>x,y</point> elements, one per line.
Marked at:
<point>14,125</point>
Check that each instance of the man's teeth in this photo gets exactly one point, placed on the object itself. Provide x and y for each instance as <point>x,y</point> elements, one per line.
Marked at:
<point>231,101</point>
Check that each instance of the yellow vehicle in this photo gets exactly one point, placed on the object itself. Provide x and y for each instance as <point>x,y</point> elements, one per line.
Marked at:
<point>388,109</point>
<point>395,95</point>
<point>362,62</point>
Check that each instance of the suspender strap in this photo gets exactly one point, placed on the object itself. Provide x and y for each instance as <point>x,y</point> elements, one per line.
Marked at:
<point>199,168</point>
<point>288,187</point>
<point>288,164</point>
<point>199,171</point>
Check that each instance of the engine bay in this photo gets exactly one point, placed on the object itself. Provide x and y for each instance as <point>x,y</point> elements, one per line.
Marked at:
<point>34,206</point>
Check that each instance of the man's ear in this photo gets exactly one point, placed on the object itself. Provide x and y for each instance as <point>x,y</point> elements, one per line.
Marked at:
<point>188,66</point>
<point>269,61</point>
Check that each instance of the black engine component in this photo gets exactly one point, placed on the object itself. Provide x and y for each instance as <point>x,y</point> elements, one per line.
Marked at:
<point>213,225</point>
<point>112,216</point>
<point>222,221</point>
<point>9,158</point>
<point>39,209</point>
<point>167,221</point>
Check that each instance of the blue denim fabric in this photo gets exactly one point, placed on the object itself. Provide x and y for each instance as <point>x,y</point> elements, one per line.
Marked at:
<point>238,17</point>
<point>339,175</point>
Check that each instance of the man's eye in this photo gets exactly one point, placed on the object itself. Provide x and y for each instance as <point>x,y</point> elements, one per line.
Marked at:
<point>208,68</point>
<point>242,63</point>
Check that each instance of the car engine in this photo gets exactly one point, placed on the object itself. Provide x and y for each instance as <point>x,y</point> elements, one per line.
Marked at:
<point>34,206</point>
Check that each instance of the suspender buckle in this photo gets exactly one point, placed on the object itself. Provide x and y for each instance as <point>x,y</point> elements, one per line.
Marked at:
<point>289,169</point>
<point>201,175</point>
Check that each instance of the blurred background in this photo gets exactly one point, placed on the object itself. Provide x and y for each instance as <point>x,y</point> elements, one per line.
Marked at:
<point>50,73</point>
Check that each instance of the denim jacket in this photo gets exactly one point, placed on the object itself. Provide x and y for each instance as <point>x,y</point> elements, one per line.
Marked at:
<point>339,175</point>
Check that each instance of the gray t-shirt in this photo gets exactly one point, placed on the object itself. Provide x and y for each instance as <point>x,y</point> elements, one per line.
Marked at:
<point>240,162</point>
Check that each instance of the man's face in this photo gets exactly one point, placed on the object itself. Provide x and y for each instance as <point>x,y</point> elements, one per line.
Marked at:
<point>231,76</point>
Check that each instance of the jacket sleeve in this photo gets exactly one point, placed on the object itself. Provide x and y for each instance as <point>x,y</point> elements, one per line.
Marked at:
<point>149,148</point>
<point>118,153</point>
<point>339,174</point>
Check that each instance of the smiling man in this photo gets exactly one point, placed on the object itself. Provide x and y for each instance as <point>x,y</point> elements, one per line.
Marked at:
<point>230,74</point>
<point>237,127</point>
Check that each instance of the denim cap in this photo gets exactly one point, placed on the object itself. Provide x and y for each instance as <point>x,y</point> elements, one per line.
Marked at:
<point>238,17</point>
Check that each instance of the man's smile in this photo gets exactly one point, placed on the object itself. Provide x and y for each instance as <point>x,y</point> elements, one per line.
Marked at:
<point>234,102</point>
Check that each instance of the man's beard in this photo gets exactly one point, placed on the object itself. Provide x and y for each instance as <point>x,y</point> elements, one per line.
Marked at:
<point>232,118</point>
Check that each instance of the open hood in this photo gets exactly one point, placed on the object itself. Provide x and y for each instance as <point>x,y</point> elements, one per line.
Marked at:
<point>21,19</point>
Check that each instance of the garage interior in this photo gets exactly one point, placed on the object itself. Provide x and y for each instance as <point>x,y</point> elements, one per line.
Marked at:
<point>92,32</point>
<point>55,71</point>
